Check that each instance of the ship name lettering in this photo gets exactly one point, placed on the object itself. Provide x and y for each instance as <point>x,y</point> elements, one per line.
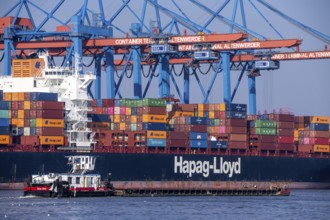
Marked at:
<point>220,166</point>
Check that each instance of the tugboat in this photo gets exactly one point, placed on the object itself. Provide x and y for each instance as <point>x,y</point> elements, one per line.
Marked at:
<point>76,183</point>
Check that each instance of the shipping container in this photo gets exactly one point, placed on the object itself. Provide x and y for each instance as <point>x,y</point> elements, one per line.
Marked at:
<point>51,140</point>
<point>154,102</point>
<point>43,96</point>
<point>156,134</point>
<point>156,142</point>
<point>42,122</point>
<point>99,117</point>
<point>198,143</point>
<point>4,122</point>
<point>154,118</point>
<point>5,139</point>
<point>5,105</point>
<point>236,107</point>
<point>219,144</point>
<point>198,136</point>
<point>154,110</point>
<point>322,148</point>
<point>263,124</point>
<point>49,131</point>
<point>264,131</point>
<point>318,127</point>
<point>49,113</point>
<point>4,113</point>
<point>154,126</point>
<point>196,120</point>
<point>240,145</point>
<point>319,120</point>
<point>237,115</point>
<point>4,130</point>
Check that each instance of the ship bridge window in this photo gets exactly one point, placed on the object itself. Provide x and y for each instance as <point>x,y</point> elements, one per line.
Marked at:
<point>70,180</point>
<point>77,180</point>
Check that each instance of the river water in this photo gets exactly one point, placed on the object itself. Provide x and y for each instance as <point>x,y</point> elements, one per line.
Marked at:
<point>301,204</point>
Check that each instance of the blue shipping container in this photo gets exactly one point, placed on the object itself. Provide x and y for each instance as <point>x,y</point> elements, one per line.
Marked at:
<point>43,96</point>
<point>218,144</point>
<point>154,126</point>
<point>196,120</point>
<point>133,111</point>
<point>5,105</point>
<point>117,102</point>
<point>155,142</point>
<point>236,115</point>
<point>33,131</point>
<point>319,127</point>
<point>4,130</point>
<point>99,117</point>
<point>210,122</point>
<point>198,136</point>
<point>4,122</point>
<point>20,131</point>
<point>236,107</point>
<point>263,117</point>
<point>198,143</point>
<point>1,95</point>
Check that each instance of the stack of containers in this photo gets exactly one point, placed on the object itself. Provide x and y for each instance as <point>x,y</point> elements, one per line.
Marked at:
<point>99,115</point>
<point>218,138</point>
<point>195,127</point>
<point>5,138</point>
<point>315,135</point>
<point>285,131</point>
<point>46,118</point>
<point>263,133</point>
<point>235,125</point>
<point>154,121</point>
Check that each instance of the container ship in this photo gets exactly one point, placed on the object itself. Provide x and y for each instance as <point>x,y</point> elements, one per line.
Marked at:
<point>151,144</point>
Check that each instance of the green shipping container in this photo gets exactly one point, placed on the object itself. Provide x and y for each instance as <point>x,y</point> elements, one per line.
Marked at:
<point>139,103</point>
<point>133,127</point>
<point>4,113</point>
<point>154,102</point>
<point>265,124</point>
<point>112,126</point>
<point>32,122</point>
<point>266,131</point>
<point>216,122</point>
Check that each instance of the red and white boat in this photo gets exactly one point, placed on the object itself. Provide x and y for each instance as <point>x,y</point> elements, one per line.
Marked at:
<point>76,183</point>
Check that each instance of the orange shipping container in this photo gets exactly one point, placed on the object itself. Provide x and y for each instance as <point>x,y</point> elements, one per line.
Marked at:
<point>5,139</point>
<point>56,123</point>
<point>156,134</point>
<point>14,121</point>
<point>211,114</point>
<point>27,105</point>
<point>7,96</point>
<point>319,119</point>
<point>51,140</point>
<point>133,119</point>
<point>122,126</point>
<point>321,148</point>
<point>20,96</point>
<point>154,118</point>
<point>116,119</point>
<point>14,96</point>
<point>20,114</point>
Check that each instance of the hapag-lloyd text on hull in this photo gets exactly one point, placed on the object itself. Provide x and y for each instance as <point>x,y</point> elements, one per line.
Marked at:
<point>217,166</point>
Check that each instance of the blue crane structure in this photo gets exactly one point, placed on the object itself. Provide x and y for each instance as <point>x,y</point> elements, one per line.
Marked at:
<point>164,37</point>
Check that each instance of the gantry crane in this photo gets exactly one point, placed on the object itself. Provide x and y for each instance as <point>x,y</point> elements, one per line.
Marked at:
<point>245,50</point>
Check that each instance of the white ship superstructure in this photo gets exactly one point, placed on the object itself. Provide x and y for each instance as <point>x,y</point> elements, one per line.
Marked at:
<point>71,88</point>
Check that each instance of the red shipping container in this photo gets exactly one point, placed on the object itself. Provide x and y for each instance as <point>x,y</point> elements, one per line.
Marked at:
<point>305,148</point>
<point>154,110</point>
<point>285,139</point>
<point>26,122</point>
<point>27,114</point>
<point>33,114</point>
<point>177,135</point>
<point>177,143</point>
<point>30,140</point>
<point>53,114</point>
<point>285,132</point>
<point>236,122</point>
<point>237,145</point>
<point>286,147</point>
<point>49,105</point>
<point>108,102</point>
<point>49,131</point>
<point>287,125</point>
<point>267,146</point>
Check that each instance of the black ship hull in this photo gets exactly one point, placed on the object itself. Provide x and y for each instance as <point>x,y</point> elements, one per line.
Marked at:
<point>138,171</point>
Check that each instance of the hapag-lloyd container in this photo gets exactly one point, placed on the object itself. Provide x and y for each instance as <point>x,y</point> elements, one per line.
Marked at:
<point>156,142</point>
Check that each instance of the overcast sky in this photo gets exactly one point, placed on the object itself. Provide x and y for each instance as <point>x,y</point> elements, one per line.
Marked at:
<point>302,87</point>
